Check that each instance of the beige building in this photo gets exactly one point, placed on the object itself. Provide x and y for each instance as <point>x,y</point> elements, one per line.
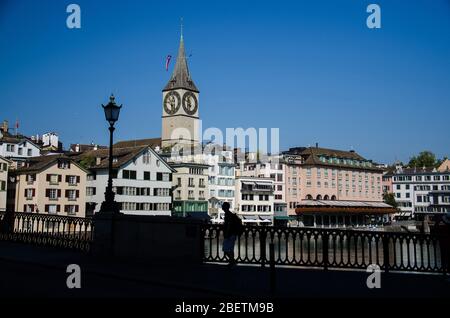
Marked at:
<point>190,194</point>
<point>52,184</point>
<point>315,173</point>
<point>4,167</point>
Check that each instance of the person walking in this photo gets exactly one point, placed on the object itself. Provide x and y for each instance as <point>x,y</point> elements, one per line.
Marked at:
<point>232,228</point>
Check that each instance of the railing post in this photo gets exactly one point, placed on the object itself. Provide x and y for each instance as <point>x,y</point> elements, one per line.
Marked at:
<point>262,245</point>
<point>272,268</point>
<point>325,238</point>
<point>386,262</point>
<point>7,223</point>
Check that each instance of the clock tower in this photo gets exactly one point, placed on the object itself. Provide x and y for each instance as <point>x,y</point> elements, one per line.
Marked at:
<point>180,115</point>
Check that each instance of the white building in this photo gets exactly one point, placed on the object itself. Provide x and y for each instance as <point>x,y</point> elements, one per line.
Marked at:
<point>142,182</point>
<point>274,170</point>
<point>421,191</point>
<point>4,167</point>
<point>254,200</point>
<point>16,148</point>
<point>221,181</point>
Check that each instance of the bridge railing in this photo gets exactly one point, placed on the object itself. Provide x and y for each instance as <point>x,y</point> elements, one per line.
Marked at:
<point>47,230</point>
<point>330,248</point>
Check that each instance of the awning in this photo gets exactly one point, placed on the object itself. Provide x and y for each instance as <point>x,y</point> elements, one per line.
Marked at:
<point>264,220</point>
<point>250,217</point>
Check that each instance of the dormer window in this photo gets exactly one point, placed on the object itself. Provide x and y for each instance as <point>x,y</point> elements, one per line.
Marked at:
<point>63,164</point>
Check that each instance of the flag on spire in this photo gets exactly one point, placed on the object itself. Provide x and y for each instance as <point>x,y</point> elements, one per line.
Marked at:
<point>168,58</point>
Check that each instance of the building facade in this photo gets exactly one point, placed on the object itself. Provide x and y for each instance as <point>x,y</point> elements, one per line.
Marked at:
<point>315,173</point>
<point>273,169</point>
<point>142,180</point>
<point>4,168</point>
<point>190,194</point>
<point>53,184</point>
<point>254,200</point>
<point>16,148</point>
<point>421,191</point>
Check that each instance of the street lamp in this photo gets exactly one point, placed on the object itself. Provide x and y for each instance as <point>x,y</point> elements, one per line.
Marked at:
<point>112,111</point>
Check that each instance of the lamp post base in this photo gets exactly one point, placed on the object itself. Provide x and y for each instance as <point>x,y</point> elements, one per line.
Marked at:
<point>110,206</point>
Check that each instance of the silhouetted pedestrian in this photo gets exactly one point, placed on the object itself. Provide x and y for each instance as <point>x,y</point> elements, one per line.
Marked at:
<point>232,228</point>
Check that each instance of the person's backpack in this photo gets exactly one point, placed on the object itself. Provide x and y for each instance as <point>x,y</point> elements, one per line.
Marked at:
<point>238,227</point>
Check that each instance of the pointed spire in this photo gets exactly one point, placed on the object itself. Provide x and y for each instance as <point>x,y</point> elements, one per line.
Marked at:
<point>181,77</point>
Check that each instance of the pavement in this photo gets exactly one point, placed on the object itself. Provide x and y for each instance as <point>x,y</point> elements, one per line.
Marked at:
<point>29,271</point>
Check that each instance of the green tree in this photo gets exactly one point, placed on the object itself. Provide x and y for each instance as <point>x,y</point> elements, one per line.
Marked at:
<point>424,159</point>
<point>389,198</point>
<point>87,162</point>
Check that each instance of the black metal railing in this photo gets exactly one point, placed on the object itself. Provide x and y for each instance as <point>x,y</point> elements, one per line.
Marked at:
<point>47,230</point>
<point>329,248</point>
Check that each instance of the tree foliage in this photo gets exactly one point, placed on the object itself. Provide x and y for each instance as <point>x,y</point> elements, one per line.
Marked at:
<point>389,198</point>
<point>424,159</point>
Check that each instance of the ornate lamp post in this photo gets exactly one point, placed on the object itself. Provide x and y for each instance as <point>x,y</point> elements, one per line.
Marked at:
<point>112,111</point>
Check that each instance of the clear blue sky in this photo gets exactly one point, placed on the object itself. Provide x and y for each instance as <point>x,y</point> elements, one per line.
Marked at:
<point>311,68</point>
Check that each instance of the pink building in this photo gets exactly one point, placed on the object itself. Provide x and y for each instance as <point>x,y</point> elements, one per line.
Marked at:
<point>315,173</point>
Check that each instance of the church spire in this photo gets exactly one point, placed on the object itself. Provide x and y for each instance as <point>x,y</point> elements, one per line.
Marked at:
<point>180,77</point>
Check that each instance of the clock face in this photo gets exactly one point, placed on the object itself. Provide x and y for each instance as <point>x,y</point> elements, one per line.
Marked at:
<point>190,103</point>
<point>172,103</point>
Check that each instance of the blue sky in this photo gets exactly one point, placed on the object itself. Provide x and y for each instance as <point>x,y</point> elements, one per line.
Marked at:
<point>311,68</point>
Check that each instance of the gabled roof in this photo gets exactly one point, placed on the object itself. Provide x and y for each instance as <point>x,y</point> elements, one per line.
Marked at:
<point>181,78</point>
<point>122,156</point>
<point>37,164</point>
<point>16,139</point>
<point>311,156</point>
<point>152,142</point>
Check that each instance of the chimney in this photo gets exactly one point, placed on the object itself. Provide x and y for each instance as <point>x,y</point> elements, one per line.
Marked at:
<point>5,126</point>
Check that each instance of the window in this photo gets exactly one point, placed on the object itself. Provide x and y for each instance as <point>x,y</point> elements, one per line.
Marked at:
<point>52,208</point>
<point>191,194</point>
<point>398,186</point>
<point>146,175</point>
<point>31,178</point>
<point>54,178</point>
<point>146,158</point>
<point>72,194</point>
<point>129,174</point>
<point>29,152</point>
<point>71,209</point>
<point>10,148</point>
<point>91,176</point>
<point>53,194</point>
<point>63,164</point>
<point>3,186</point>
<point>90,191</point>
<point>279,188</point>
<point>191,182</point>
<point>20,152</point>
<point>72,180</point>
<point>30,193</point>
<point>408,195</point>
<point>163,176</point>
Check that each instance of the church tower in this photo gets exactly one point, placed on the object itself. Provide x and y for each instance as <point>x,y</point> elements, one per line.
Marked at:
<point>180,115</point>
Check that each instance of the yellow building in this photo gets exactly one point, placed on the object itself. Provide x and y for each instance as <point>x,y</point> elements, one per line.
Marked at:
<point>52,184</point>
